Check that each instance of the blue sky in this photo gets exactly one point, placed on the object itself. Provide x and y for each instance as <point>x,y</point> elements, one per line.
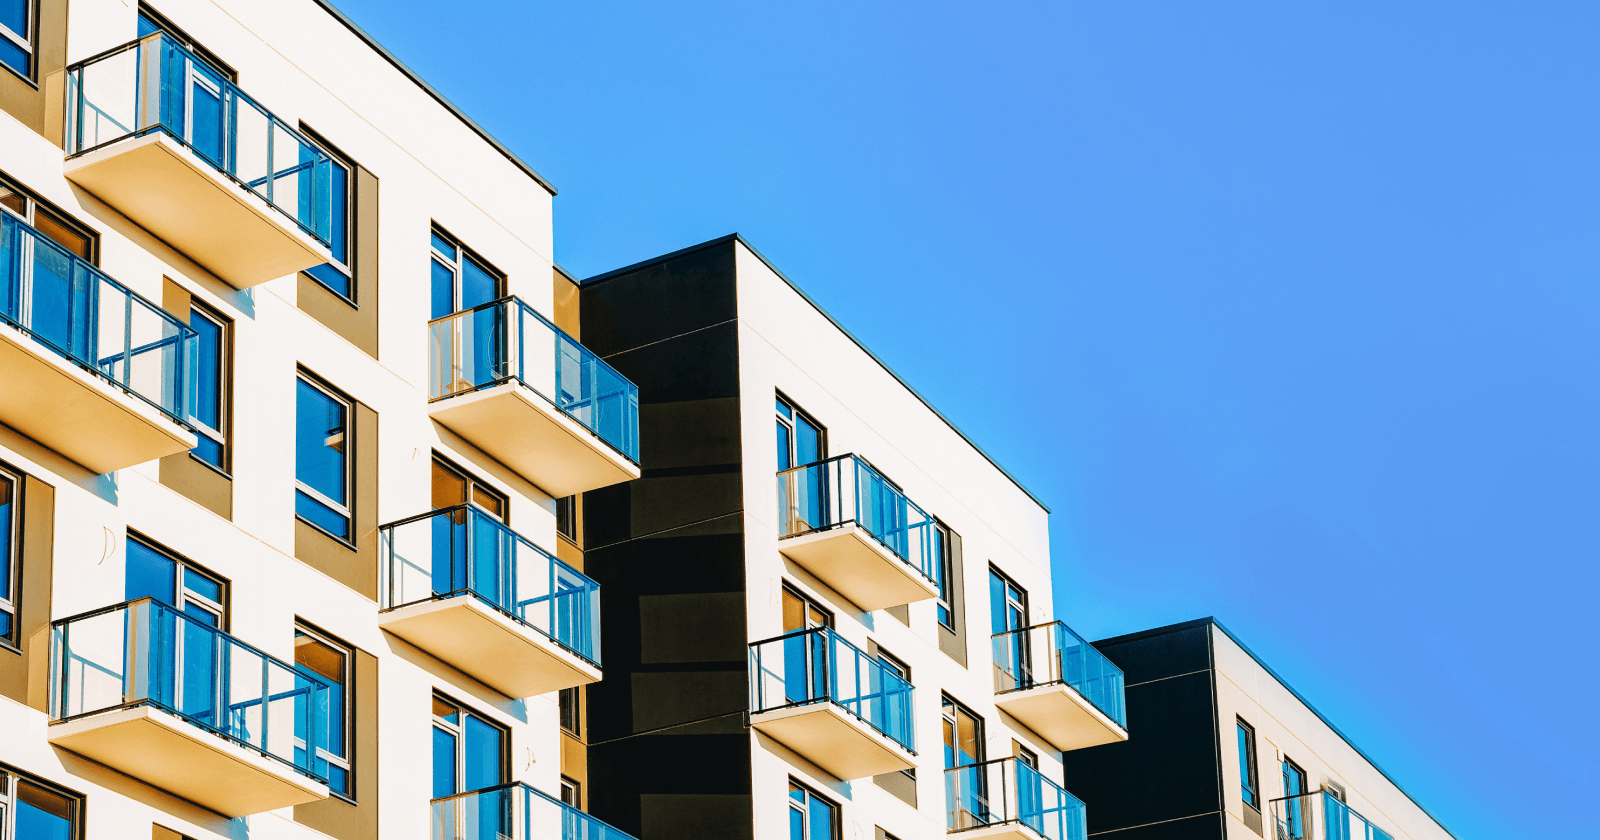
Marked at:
<point>1288,310</point>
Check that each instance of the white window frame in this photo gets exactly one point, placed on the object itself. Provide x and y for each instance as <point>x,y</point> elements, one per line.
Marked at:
<point>24,40</point>
<point>456,267</point>
<point>349,463</point>
<point>836,830</point>
<point>224,395</point>
<point>346,680</point>
<point>459,731</point>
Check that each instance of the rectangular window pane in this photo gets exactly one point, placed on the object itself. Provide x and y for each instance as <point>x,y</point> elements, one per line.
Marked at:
<point>208,406</point>
<point>14,16</point>
<point>321,515</point>
<point>7,515</point>
<point>42,814</point>
<point>320,442</point>
<point>340,212</point>
<point>444,763</point>
<point>149,573</point>
<point>13,56</point>
<point>444,289</point>
<point>331,277</point>
<point>483,754</point>
<point>60,232</point>
<point>478,286</point>
<point>821,820</point>
<point>444,246</point>
<point>807,442</point>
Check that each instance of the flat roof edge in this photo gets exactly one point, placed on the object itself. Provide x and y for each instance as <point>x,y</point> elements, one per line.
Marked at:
<point>735,237</point>
<point>1212,621</point>
<point>372,42</point>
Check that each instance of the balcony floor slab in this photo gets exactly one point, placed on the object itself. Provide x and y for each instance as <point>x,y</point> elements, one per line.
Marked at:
<point>170,753</point>
<point>489,646</point>
<point>860,568</point>
<point>834,740</point>
<point>1061,716</point>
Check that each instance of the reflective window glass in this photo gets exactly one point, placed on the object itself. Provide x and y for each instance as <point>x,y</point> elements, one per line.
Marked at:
<point>322,465</point>
<point>8,557</point>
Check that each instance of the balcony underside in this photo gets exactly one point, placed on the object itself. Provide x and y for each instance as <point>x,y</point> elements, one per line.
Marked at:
<point>834,740</point>
<point>527,433</point>
<point>167,752</point>
<point>70,410</point>
<point>1061,716</point>
<point>172,192</point>
<point>489,646</point>
<point>858,567</point>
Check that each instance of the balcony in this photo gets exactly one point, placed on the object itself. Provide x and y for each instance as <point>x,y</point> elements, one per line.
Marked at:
<point>1058,685</point>
<point>820,696</point>
<point>515,812</point>
<point>87,367</point>
<point>857,532</point>
<point>1321,816</point>
<point>1008,799</point>
<point>183,706</point>
<point>479,596</point>
<point>525,392</point>
<point>159,135</point>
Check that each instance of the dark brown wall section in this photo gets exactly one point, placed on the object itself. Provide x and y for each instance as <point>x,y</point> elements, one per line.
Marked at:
<point>355,567</point>
<point>183,473</point>
<point>31,103</point>
<point>333,816</point>
<point>24,677</point>
<point>668,552</point>
<point>357,323</point>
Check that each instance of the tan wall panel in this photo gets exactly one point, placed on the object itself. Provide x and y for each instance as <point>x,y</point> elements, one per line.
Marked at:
<point>356,568</point>
<point>357,324</point>
<point>334,816</point>
<point>33,596</point>
<point>29,103</point>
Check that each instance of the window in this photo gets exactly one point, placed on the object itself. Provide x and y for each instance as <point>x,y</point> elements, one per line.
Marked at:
<point>461,280</point>
<point>802,613</point>
<point>17,21</point>
<point>570,702</point>
<point>1025,755</point>
<point>944,554</point>
<point>1008,603</point>
<point>10,564</point>
<point>55,225</point>
<point>469,752</point>
<point>963,735</point>
<point>801,440</point>
<point>33,811</point>
<point>320,656</point>
<point>211,377</point>
<point>567,517</point>
<point>454,486</point>
<point>1249,791</point>
<point>322,459</point>
<point>810,816</point>
<point>894,665</point>
<point>151,22</point>
<point>336,273</point>
<point>1294,785</point>
<point>570,793</point>
<point>156,573</point>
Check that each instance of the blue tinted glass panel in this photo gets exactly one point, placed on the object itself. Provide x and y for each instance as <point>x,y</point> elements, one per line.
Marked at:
<point>206,128</point>
<point>807,442</point>
<point>208,405</point>
<point>147,26</point>
<point>201,585</point>
<point>444,289</point>
<point>7,515</point>
<point>42,815</point>
<point>201,614</point>
<point>331,277</point>
<point>14,16</point>
<point>320,442</point>
<point>150,573</point>
<point>444,246</point>
<point>5,624</point>
<point>321,515</point>
<point>797,824</point>
<point>783,448</point>
<point>477,285</point>
<point>13,56</point>
<point>821,820</point>
<point>483,756</point>
<point>339,241</point>
<point>209,451</point>
<point>444,763</point>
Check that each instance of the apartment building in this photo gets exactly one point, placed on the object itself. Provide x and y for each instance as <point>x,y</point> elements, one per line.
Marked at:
<point>286,419</point>
<point>828,613</point>
<point>1228,750</point>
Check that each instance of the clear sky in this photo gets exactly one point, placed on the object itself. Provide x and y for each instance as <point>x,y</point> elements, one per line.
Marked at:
<point>1289,310</point>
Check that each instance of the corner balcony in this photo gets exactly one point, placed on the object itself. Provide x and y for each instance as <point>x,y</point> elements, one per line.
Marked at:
<point>488,602</point>
<point>525,392</point>
<point>820,696</point>
<point>183,706</point>
<point>87,367</point>
<point>515,812</point>
<point>157,134</point>
<point>858,533</point>
<point>1008,800</point>
<point>1058,685</point>
<point>1321,816</point>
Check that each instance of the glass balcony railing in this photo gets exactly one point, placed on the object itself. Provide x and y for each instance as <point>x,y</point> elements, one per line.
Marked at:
<point>1008,791</point>
<point>847,490</point>
<point>1321,816</point>
<point>515,812</point>
<point>462,551</point>
<point>78,312</point>
<point>154,84</point>
<point>1049,654</point>
<point>817,666</point>
<point>505,341</point>
<point>145,653</point>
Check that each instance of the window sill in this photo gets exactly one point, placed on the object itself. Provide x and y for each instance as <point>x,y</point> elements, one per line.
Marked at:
<point>13,71</point>
<point>210,466</point>
<point>332,291</point>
